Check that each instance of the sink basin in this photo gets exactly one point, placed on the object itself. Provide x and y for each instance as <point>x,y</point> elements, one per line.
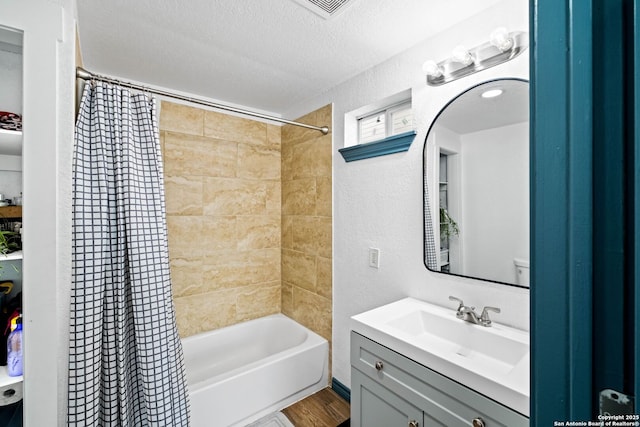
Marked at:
<point>492,352</point>
<point>492,360</point>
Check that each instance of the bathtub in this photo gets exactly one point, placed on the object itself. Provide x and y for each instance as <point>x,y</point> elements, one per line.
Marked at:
<point>240,373</point>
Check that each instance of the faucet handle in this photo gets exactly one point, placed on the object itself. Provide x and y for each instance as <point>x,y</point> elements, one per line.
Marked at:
<point>458,300</point>
<point>459,313</point>
<point>484,317</point>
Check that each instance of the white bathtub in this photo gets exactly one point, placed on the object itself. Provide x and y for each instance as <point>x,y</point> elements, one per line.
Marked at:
<point>242,372</point>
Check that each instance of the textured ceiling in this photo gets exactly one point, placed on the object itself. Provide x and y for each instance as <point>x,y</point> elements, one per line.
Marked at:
<point>260,54</point>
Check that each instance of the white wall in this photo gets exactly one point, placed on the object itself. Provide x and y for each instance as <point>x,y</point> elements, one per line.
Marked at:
<point>378,201</point>
<point>495,226</point>
<point>48,110</point>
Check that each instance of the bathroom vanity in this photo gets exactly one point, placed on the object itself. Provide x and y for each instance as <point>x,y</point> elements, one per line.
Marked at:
<point>404,373</point>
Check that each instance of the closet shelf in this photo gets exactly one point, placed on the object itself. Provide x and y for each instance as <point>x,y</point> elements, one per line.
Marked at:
<point>13,256</point>
<point>10,212</point>
<point>10,142</point>
<point>6,380</point>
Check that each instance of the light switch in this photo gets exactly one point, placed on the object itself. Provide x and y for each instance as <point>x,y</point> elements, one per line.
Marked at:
<point>374,257</point>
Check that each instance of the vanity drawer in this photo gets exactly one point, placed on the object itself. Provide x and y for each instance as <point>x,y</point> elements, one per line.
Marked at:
<point>439,397</point>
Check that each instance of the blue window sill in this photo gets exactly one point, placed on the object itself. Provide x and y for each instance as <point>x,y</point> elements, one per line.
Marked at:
<point>390,145</point>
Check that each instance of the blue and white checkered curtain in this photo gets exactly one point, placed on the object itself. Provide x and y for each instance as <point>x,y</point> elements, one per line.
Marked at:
<point>126,365</point>
<point>430,250</point>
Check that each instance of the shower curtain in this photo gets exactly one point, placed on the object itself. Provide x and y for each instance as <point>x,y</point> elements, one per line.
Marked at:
<point>430,250</point>
<point>125,359</point>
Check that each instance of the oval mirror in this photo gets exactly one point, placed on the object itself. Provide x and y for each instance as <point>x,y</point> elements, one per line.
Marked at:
<point>476,185</point>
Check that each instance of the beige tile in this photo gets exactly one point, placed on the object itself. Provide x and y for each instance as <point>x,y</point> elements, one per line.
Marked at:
<point>258,162</point>
<point>183,195</point>
<point>325,237</point>
<point>258,232</point>
<point>299,197</point>
<point>312,235</point>
<point>313,311</point>
<point>321,157</point>
<point>186,276</point>
<point>274,197</point>
<point>181,118</point>
<point>296,134</point>
<point>235,269</point>
<point>286,155</point>
<point>258,301</point>
<point>274,136</point>
<point>309,118</point>
<point>234,197</point>
<point>299,269</point>
<point>196,155</point>
<point>185,236</point>
<point>219,233</point>
<point>311,158</point>
<point>205,312</point>
<point>232,128</point>
<point>162,145</point>
<point>324,197</point>
<point>324,117</point>
<point>324,284</point>
<point>287,299</point>
<point>287,232</point>
<point>246,207</point>
<point>301,160</point>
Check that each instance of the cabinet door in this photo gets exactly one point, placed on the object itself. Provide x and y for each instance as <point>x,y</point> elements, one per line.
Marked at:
<point>374,406</point>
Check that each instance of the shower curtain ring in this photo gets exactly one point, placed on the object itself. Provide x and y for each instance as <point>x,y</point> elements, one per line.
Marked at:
<point>147,92</point>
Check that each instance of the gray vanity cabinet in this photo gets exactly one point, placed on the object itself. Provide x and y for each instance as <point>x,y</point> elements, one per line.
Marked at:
<point>389,390</point>
<point>378,406</point>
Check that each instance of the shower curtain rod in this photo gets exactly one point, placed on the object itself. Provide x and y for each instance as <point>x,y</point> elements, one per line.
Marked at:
<point>83,74</point>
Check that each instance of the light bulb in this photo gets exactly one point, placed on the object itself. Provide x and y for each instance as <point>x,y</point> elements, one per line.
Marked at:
<point>432,69</point>
<point>500,39</point>
<point>462,55</point>
<point>491,93</point>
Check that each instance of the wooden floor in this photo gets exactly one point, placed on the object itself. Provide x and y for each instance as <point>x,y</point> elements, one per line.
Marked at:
<point>322,409</point>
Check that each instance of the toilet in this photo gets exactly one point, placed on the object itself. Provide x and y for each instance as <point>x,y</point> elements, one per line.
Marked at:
<point>522,271</point>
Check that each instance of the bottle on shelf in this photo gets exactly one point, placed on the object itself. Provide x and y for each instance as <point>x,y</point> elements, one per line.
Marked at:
<point>14,350</point>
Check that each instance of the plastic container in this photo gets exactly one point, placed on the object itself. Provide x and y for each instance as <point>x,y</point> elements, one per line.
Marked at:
<point>14,350</point>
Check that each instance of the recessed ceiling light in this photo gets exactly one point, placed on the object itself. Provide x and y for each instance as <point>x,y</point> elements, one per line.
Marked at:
<point>492,93</point>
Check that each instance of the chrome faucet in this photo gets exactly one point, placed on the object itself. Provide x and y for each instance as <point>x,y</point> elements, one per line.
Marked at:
<point>468,314</point>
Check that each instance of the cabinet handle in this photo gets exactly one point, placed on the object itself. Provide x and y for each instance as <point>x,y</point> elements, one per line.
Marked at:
<point>413,423</point>
<point>478,422</point>
<point>379,366</point>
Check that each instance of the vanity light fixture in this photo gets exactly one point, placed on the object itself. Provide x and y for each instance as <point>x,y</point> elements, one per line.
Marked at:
<point>501,39</point>
<point>431,68</point>
<point>462,55</point>
<point>501,47</point>
<point>492,93</point>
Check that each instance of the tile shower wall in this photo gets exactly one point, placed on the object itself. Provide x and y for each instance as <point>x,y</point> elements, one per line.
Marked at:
<point>307,223</point>
<point>223,196</point>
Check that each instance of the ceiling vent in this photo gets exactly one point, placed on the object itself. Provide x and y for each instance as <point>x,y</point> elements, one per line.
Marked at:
<point>325,8</point>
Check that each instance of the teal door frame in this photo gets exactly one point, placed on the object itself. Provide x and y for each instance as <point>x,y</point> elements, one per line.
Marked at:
<point>633,14</point>
<point>585,205</point>
<point>561,218</point>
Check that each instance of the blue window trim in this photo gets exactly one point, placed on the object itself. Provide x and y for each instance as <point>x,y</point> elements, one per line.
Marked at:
<point>393,144</point>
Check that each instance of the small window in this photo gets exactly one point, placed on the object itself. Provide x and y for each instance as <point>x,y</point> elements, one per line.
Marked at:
<point>393,120</point>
